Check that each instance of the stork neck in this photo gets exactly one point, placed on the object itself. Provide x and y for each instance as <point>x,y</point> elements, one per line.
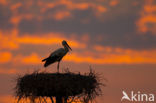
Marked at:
<point>66,49</point>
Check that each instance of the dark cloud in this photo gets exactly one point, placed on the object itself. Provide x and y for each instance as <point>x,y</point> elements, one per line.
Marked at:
<point>5,15</point>
<point>29,26</point>
<point>119,31</point>
<point>116,26</point>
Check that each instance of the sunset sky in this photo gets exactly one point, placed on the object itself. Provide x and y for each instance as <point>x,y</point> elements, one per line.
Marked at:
<point>117,38</point>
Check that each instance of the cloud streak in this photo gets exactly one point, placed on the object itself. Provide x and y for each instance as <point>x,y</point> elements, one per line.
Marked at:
<point>5,57</point>
<point>105,56</point>
<point>147,21</point>
<point>121,57</point>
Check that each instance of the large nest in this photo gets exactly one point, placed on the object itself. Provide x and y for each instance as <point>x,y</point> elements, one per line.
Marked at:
<point>69,85</point>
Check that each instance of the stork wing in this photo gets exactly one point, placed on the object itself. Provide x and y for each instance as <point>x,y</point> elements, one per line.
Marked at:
<point>50,60</point>
<point>54,56</point>
<point>57,52</point>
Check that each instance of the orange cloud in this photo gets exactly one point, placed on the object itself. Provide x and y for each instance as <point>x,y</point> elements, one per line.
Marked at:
<point>47,40</point>
<point>105,55</point>
<point>45,6</point>
<point>7,41</point>
<point>16,6</point>
<point>3,2</point>
<point>70,5</point>
<point>144,21</point>
<point>15,20</point>
<point>108,55</point>
<point>147,21</point>
<point>113,3</point>
<point>101,9</point>
<point>5,57</point>
<point>31,59</point>
<point>10,40</point>
<point>103,48</point>
<point>82,6</point>
<point>27,39</point>
<point>149,8</point>
<point>62,15</point>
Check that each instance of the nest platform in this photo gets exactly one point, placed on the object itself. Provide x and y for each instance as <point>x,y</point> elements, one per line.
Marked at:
<point>58,85</point>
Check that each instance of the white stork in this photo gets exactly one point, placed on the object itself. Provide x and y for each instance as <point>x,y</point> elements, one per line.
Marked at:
<point>57,55</point>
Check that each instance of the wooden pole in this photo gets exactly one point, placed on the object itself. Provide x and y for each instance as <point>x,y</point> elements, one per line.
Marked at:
<point>59,99</point>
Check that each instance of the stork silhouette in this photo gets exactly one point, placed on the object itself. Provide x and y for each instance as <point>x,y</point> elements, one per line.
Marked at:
<point>57,55</point>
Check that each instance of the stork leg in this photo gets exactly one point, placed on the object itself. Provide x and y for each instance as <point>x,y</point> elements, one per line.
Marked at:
<point>58,66</point>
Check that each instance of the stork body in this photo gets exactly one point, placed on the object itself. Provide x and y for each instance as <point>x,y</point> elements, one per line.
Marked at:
<point>57,55</point>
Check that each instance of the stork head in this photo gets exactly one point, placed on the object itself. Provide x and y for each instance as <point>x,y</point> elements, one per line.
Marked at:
<point>65,44</point>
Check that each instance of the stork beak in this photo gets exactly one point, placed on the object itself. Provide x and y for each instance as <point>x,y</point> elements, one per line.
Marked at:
<point>69,47</point>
